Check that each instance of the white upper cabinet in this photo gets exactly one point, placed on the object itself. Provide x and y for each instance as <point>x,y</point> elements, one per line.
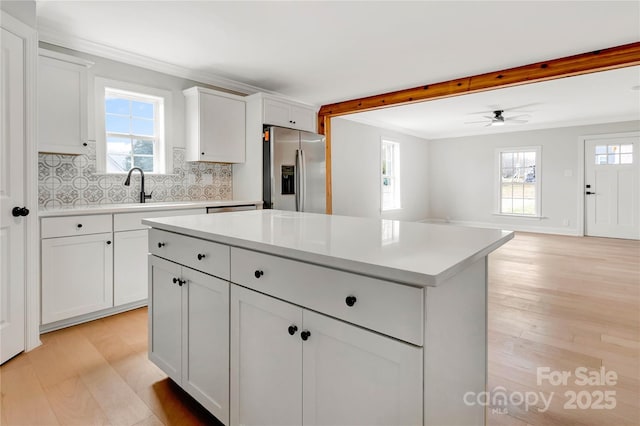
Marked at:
<point>289,114</point>
<point>62,102</point>
<point>215,126</point>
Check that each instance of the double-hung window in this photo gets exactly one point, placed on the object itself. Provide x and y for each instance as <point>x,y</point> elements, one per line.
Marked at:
<point>390,176</point>
<point>519,181</point>
<point>131,127</point>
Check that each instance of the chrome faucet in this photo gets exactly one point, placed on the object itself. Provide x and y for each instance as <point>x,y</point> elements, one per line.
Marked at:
<point>127,182</point>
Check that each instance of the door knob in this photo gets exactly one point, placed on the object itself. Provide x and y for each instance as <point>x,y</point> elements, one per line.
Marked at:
<point>20,211</point>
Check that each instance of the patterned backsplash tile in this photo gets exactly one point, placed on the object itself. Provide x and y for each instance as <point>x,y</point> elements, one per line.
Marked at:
<point>71,180</point>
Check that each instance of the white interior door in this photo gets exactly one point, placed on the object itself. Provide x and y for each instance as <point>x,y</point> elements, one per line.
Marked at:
<point>612,187</point>
<point>12,194</point>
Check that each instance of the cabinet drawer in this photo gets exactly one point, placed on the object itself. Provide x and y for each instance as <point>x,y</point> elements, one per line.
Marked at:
<point>68,226</point>
<point>132,221</point>
<point>389,308</point>
<point>205,256</point>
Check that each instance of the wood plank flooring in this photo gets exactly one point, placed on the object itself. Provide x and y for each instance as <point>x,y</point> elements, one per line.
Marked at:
<point>554,301</point>
<point>564,303</point>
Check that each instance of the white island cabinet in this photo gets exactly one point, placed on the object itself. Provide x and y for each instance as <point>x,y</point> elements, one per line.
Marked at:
<point>331,320</point>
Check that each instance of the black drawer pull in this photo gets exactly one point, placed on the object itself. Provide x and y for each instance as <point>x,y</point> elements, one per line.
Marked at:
<point>160,245</point>
<point>350,300</point>
<point>201,256</point>
<point>293,329</point>
<point>258,273</point>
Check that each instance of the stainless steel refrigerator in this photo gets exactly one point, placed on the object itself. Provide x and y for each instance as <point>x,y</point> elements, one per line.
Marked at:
<point>294,168</point>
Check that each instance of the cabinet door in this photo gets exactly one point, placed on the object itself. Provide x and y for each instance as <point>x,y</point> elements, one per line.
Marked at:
<point>266,361</point>
<point>62,106</point>
<point>222,129</point>
<point>77,276</point>
<point>276,113</point>
<point>206,342</point>
<point>357,377</point>
<point>165,317</point>
<point>303,118</point>
<point>130,282</point>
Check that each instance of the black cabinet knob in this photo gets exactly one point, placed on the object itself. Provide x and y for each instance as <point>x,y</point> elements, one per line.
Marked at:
<point>350,300</point>
<point>19,211</point>
<point>202,153</point>
<point>258,273</point>
<point>108,242</point>
<point>175,280</point>
<point>79,226</point>
<point>84,144</point>
<point>179,281</point>
<point>305,334</point>
<point>201,256</point>
<point>292,329</point>
<point>160,245</point>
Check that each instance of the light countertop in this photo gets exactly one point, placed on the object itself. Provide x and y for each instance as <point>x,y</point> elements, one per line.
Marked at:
<point>139,207</point>
<point>414,253</point>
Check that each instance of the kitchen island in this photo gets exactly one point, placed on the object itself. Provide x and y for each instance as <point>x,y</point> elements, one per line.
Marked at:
<point>273,317</point>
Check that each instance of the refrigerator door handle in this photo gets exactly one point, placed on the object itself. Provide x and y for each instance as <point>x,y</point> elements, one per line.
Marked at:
<point>298,188</point>
<point>303,181</point>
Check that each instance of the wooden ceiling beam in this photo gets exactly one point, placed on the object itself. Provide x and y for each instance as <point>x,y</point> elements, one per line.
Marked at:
<point>600,60</point>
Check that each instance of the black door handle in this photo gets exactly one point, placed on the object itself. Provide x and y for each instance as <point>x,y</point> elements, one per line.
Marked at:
<point>20,211</point>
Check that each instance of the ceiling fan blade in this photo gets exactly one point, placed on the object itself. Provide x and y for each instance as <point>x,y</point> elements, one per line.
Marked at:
<point>518,121</point>
<point>475,122</point>
<point>518,117</point>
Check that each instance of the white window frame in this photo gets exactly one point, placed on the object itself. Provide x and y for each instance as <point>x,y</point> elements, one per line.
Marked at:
<point>397,204</point>
<point>538,187</point>
<point>163,159</point>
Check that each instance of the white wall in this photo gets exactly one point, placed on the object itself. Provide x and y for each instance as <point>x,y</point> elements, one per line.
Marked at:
<point>462,177</point>
<point>355,154</point>
<point>22,10</point>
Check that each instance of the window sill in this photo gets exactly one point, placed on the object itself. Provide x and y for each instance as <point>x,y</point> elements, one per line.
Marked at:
<point>523,216</point>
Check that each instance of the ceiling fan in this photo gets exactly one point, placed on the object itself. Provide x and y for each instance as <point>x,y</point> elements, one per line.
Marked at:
<point>500,120</point>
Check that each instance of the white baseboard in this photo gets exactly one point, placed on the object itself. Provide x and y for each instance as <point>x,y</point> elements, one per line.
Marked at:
<point>45,328</point>
<point>507,226</point>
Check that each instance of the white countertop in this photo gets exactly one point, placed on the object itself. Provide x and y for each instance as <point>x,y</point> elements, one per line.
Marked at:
<point>137,207</point>
<point>414,253</point>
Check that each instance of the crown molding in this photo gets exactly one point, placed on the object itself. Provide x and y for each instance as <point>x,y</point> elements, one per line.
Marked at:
<point>51,36</point>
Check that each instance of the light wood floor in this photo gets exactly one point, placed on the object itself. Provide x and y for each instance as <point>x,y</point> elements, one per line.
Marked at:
<point>554,301</point>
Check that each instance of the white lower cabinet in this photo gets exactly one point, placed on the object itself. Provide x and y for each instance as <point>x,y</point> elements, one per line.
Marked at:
<point>292,366</point>
<point>130,281</point>
<point>189,332</point>
<point>76,275</point>
<point>266,360</point>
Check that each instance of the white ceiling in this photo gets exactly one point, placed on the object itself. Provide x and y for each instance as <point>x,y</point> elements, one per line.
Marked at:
<point>321,52</point>
<point>602,97</point>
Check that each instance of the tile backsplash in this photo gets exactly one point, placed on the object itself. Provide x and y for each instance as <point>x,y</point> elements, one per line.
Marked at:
<point>71,180</point>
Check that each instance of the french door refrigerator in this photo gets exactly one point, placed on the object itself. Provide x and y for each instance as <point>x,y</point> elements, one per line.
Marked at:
<point>294,168</point>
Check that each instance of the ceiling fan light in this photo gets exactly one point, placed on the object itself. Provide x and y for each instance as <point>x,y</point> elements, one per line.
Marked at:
<point>497,123</point>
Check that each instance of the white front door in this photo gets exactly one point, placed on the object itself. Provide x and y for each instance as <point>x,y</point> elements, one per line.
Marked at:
<point>12,194</point>
<point>612,187</point>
